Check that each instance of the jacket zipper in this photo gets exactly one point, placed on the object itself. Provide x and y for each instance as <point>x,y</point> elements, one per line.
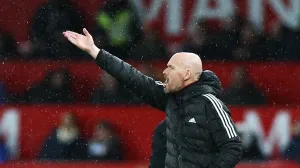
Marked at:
<point>180,164</point>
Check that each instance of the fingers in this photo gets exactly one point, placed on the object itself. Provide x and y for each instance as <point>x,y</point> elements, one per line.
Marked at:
<point>72,40</point>
<point>71,37</point>
<point>74,34</point>
<point>86,32</point>
<point>69,34</point>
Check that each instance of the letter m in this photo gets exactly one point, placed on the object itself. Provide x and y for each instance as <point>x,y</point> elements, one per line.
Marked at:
<point>278,134</point>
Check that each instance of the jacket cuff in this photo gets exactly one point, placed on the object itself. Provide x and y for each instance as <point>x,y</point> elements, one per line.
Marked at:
<point>99,55</point>
<point>102,57</point>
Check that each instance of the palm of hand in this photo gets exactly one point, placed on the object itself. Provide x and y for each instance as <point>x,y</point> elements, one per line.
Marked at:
<point>84,42</point>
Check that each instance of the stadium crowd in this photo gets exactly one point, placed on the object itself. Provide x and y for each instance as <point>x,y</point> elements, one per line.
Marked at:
<point>118,29</point>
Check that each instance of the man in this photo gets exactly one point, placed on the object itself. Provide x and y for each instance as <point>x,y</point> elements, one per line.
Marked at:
<point>200,132</point>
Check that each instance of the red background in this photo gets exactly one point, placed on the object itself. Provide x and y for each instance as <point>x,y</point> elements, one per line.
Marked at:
<point>134,124</point>
<point>275,164</point>
<point>279,81</point>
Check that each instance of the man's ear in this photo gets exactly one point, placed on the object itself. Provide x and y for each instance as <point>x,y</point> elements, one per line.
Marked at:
<point>187,75</point>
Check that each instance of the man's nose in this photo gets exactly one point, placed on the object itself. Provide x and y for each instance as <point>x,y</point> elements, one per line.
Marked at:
<point>165,72</point>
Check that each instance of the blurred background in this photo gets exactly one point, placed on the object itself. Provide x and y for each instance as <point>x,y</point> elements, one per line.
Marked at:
<point>58,109</point>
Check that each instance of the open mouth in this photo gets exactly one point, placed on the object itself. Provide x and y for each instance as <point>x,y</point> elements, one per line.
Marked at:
<point>166,82</point>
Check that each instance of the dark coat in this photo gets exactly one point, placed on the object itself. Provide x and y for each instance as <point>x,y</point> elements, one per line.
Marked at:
<point>159,148</point>
<point>52,149</point>
<point>200,131</point>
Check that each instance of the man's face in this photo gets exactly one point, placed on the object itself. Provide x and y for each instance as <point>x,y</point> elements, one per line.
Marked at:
<point>297,128</point>
<point>173,76</point>
<point>68,120</point>
<point>57,80</point>
<point>101,133</point>
<point>239,77</point>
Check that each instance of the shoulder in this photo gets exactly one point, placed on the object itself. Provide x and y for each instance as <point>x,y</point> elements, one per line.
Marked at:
<point>205,102</point>
<point>214,104</point>
<point>211,99</point>
<point>204,99</point>
<point>196,105</point>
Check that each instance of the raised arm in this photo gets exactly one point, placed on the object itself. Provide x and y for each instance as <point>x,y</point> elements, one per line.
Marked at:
<point>147,88</point>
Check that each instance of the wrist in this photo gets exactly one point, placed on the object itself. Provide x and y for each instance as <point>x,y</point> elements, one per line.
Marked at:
<point>94,51</point>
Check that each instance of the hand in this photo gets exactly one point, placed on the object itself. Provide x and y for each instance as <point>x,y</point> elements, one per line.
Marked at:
<point>84,42</point>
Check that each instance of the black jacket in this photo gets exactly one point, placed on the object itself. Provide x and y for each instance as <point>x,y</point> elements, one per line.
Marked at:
<point>54,150</point>
<point>159,148</point>
<point>200,132</point>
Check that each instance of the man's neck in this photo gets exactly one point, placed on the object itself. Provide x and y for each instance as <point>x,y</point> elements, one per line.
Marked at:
<point>188,83</point>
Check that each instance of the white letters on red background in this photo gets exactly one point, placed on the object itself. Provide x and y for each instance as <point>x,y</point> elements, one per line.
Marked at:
<point>173,23</point>
<point>10,129</point>
<point>202,11</point>
<point>256,10</point>
<point>273,131</point>
<point>278,135</point>
<point>288,13</point>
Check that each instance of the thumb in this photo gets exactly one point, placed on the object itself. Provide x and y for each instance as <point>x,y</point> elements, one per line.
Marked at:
<point>86,32</point>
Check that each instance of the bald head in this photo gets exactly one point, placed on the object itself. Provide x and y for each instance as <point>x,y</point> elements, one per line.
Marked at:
<point>189,61</point>
<point>183,69</point>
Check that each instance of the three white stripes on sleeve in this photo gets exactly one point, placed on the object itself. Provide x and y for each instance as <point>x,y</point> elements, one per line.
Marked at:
<point>223,115</point>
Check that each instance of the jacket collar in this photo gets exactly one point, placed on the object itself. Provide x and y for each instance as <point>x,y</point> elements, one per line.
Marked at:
<point>208,83</point>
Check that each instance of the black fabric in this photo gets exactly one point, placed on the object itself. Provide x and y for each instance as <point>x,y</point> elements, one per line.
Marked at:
<point>52,149</point>
<point>195,129</point>
<point>50,20</point>
<point>159,148</point>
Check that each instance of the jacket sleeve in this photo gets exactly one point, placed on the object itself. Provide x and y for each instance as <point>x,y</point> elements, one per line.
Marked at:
<point>224,134</point>
<point>151,91</point>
